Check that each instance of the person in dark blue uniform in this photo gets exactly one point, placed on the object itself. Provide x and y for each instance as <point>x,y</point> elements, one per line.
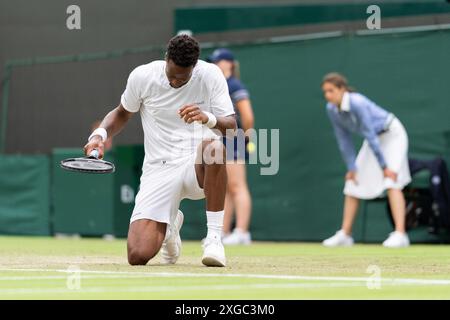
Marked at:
<point>238,196</point>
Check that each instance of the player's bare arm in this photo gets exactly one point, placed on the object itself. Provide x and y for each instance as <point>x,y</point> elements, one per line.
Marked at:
<point>113,123</point>
<point>245,109</point>
<point>192,112</point>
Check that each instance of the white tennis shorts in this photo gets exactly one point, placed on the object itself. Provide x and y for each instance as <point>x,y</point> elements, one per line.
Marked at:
<point>163,186</point>
<point>371,182</point>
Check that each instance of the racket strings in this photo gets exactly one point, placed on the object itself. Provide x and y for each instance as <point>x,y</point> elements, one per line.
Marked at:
<point>87,165</point>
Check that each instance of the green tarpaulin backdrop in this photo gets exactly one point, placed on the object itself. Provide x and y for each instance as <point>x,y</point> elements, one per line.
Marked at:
<point>406,73</point>
<point>24,195</point>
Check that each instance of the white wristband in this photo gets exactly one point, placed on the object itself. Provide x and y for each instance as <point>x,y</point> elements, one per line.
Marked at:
<point>212,120</point>
<point>99,132</point>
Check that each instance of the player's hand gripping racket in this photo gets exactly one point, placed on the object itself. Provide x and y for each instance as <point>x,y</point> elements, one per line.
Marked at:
<point>90,164</point>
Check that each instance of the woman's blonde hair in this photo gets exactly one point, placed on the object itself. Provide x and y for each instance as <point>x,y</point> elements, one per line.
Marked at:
<point>338,80</point>
<point>236,70</point>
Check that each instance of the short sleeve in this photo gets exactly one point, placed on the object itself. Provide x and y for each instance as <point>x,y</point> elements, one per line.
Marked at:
<point>131,99</point>
<point>220,101</point>
<point>238,91</point>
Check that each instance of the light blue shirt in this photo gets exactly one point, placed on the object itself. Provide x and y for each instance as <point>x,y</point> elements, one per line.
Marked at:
<point>362,116</point>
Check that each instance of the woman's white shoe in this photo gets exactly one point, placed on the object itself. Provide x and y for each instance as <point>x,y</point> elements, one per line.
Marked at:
<point>396,240</point>
<point>237,237</point>
<point>340,239</point>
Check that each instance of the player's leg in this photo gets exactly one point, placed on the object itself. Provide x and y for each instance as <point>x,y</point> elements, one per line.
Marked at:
<point>237,187</point>
<point>211,175</point>
<point>343,236</point>
<point>350,211</point>
<point>398,207</point>
<point>237,184</point>
<point>229,212</point>
<point>398,238</point>
<point>395,149</point>
<point>229,202</point>
<point>155,221</point>
<point>145,238</point>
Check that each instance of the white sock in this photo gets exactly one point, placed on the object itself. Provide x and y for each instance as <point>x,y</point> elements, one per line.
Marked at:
<point>215,224</point>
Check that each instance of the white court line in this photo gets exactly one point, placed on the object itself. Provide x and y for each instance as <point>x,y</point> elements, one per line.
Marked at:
<point>125,274</point>
<point>179,288</point>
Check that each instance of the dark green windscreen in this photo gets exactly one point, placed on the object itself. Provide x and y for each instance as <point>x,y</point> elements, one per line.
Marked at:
<point>24,195</point>
<point>404,73</point>
<point>201,19</point>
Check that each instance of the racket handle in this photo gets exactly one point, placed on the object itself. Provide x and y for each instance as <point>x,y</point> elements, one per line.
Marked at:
<point>94,153</point>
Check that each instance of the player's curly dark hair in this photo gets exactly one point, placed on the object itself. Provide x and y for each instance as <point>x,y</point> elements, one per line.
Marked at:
<point>183,50</point>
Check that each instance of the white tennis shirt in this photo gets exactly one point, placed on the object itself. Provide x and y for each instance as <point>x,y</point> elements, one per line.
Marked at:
<point>167,138</point>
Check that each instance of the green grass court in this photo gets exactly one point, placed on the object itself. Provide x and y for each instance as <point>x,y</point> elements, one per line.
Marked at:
<point>37,268</point>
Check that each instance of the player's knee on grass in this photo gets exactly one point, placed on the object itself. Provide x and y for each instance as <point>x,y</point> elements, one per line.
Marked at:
<point>145,238</point>
<point>213,152</point>
<point>140,256</point>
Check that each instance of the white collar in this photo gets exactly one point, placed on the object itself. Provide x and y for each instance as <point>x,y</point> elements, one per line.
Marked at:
<point>345,103</point>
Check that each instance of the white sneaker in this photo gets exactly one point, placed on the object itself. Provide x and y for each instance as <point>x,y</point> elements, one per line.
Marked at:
<point>171,247</point>
<point>237,237</point>
<point>396,240</point>
<point>223,235</point>
<point>340,239</point>
<point>213,253</point>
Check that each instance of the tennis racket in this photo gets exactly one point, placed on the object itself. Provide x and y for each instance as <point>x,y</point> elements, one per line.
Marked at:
<point>90,164</point>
